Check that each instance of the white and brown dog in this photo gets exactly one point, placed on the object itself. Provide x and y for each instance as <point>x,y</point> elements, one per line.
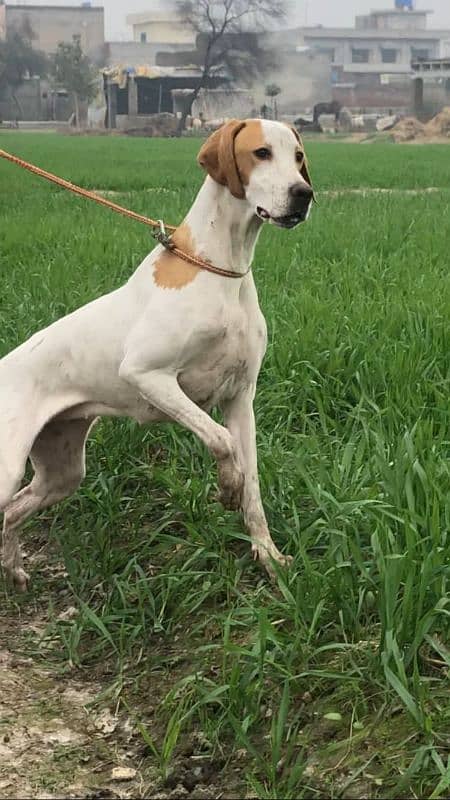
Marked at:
<point>170,344</point>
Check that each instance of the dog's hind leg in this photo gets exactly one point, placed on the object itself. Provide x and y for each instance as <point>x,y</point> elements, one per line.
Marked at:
<point>22,505</point>
<point>58,459</point>
<point>18,430</point>
<point>12,468</point>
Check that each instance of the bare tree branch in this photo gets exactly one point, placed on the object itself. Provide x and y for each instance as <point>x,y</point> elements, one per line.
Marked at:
<point>227,38</point>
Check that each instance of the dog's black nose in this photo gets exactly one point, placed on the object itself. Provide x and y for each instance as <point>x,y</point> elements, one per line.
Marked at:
<point>301,191</point>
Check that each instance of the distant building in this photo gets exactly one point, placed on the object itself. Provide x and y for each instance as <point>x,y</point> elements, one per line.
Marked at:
<point>52,24</point>
<point>431,85</point>
<point>161,28</point>
<point>134,94</point>
<point>370,64</point>
<point>155,72</point>
<point>158,39</point>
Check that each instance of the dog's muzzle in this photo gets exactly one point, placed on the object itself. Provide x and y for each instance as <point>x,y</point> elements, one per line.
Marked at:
<point>301,196</point>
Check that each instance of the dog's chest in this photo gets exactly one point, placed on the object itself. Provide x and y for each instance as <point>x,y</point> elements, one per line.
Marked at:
<point>219,367</point>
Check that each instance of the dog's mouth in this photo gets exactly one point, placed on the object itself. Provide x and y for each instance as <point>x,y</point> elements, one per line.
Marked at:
<point>289,221</point>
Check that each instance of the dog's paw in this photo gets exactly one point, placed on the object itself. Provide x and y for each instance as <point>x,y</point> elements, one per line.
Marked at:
<point>231,487</point>
<point>270,557</point>
<point>20,580</point>
<point>231,498</point>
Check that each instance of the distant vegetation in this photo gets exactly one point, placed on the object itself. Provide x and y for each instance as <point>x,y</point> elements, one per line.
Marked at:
<point>73,71</point>
<point>19,60</point>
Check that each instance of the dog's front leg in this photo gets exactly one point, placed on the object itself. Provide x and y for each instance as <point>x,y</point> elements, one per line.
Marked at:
<point>240,421</point>
<point>162,390</point>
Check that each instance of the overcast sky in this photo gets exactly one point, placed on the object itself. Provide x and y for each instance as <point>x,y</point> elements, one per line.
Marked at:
<point>324,12</point>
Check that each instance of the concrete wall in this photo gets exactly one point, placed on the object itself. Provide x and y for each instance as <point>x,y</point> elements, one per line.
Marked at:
<point>343,47</point>
<point>398,95</point>
<point>170,31</point>
<point>54,24</point>
<point>37,103</point>
<point>29,99</point>
<point>445,48</point>
<point>435,95</point>
<point>134,53</point>
<point>223,103</point>
<point>2,22</point>
<point>402,21</point>
<point>392,20</point>
<point>371,94</point>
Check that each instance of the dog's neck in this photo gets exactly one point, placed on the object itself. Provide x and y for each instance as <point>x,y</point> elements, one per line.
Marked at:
<point>225,230</point>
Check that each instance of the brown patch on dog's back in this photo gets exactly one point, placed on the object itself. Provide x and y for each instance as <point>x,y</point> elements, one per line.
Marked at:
<point>250,138</point>
<point>172,272</point>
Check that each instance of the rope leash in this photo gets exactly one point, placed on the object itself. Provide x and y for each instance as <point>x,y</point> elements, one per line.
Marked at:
<point>160,230</point>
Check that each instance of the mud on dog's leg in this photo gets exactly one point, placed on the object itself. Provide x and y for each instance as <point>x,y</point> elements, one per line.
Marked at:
<point>23,504</point>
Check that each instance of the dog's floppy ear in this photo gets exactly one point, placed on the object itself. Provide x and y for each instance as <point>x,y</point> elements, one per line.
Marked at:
<point>304,172</point>
<point>218,158</point>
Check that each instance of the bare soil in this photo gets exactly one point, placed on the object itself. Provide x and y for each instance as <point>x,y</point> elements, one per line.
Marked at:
<point>55,740</point>
<point>61,735</point>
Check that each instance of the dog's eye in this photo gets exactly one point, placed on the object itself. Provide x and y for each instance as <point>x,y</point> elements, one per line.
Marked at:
<point>263,153</point>
<point>300,157</point>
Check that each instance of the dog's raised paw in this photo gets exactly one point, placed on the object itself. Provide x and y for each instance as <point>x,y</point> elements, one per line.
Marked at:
<point>231,499</point>
<point>20,580</point>
<point>231,490</point>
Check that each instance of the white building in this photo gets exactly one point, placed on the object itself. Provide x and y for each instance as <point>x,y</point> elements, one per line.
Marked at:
<point>371,63</point>
<point>160,27</point>
<point>53,23</point>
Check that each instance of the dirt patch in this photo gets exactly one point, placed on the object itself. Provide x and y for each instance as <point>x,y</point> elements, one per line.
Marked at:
<point>411,129</point>
<point>163,124</point>
<point>408,129</point>
<point>440,124</point>
<point>56,739</point>
<point>368,190</point>
<point>60,737</point>
<point>53,739</point>
<point>115,193</point>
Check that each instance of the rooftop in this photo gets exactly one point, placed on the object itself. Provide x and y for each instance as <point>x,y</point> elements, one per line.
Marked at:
<point>53,7</point>
<point>117,74</point>
<point>377,68</point>
<point>319,32</point>
<point>407,12</point>
<point>153,16</point>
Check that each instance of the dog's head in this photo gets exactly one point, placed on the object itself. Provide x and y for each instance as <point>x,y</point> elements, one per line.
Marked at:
<point>264,163</point>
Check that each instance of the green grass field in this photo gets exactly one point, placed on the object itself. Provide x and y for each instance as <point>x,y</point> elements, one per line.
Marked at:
<point>334,682</point>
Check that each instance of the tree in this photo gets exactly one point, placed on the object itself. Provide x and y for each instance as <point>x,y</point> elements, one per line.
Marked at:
<point>227,36</point>
<point>273,90</point>
<point>19,60</point>
<point>73,71</point>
